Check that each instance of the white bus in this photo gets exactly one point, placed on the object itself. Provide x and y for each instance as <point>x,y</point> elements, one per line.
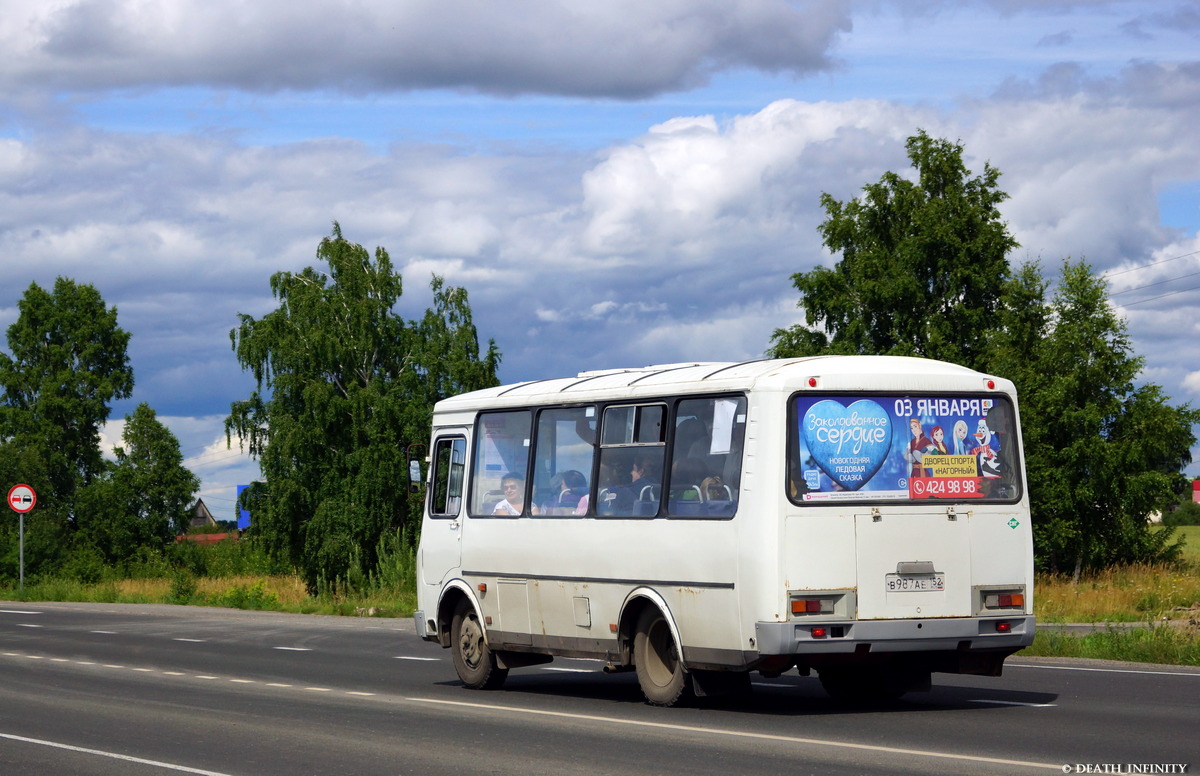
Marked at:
<point>865,517</point>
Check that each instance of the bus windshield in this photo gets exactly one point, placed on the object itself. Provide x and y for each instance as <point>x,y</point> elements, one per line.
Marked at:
<point>906,448</point>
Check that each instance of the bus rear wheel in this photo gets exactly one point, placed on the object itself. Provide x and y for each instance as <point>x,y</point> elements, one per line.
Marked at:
<point>473,658</point>
<point>656,658</point>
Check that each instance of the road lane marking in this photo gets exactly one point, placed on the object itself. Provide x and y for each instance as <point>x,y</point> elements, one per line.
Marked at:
<point>106,633</point>
<point>1014,703</point>
<point>421,659</point>
<point>27,625</point>
<point>113,755</point>
<point>1104,670</point>
<point>18,611</point>
<point>741,734</point>
<point>191,641</point>
<point>571,670</point>
<point>293,649</point>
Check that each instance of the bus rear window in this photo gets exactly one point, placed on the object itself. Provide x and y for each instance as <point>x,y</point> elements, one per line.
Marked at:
<point>910,448</point>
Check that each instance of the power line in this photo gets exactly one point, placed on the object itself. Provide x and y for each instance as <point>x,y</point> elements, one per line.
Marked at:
<point>1151,285</point>
<point>1160,296</point>
<point>1145,266</point>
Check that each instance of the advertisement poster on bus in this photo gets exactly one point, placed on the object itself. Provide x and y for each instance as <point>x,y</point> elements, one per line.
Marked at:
<point>902,448</point>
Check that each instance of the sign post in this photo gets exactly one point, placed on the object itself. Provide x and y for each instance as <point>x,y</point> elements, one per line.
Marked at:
<point>22,499</point>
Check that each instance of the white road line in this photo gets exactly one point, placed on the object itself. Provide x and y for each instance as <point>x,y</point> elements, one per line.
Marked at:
<point>293,649</point>
<point>362,694</point>
<point>277,684</point>
<point>112,755</point>
<point>1014,703</point>
<point>1105,670</point>
<point>742,734</point>
<point>570,670</point>
<point>27,625</point>
<point>318,689</point>
<point>106,633</point>
<point>191,641</point>
<point>421,659</point>
<point>18,611</point>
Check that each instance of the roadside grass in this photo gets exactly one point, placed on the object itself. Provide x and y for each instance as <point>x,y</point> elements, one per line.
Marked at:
<point>279,593</point>
<point>1163,644</point>
<point>1125,594</point>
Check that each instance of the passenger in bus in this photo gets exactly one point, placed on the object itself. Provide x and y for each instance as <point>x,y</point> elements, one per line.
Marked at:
<point>715,489</point>
<point>686,476</point>
<point>513,503</point>
<point>572,488</point>
<point>644,478</point>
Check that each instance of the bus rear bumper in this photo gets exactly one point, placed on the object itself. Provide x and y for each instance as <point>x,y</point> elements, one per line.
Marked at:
<point>959,634</point>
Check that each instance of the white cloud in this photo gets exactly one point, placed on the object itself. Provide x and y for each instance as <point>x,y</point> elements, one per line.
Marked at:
<point>615,48</point>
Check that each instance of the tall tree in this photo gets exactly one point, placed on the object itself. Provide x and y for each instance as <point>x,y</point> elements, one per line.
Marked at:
<point>1102,451</point>
<point>923,264</point>
<point>144,500</point>
<point>68,362</point>
<point>344,386</point>
<point>923,271</point>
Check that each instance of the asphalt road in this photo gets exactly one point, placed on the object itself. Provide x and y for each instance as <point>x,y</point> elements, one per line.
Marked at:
<point>141,690</point>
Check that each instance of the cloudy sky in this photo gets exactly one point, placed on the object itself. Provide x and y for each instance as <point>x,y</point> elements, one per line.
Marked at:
<point>616,183</point>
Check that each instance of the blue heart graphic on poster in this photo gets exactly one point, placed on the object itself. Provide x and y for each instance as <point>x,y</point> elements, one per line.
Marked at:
<point>848,443</point>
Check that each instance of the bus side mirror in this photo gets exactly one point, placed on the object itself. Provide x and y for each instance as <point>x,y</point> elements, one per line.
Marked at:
<point>414,475</point>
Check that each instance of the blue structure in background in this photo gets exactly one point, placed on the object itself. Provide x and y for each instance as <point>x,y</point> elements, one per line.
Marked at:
<point>243,514</point>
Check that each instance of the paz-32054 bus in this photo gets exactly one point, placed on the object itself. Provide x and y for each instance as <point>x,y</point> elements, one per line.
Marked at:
<point>864,517</point>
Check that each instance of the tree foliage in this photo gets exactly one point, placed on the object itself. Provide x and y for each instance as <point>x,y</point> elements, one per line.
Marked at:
<point>923,264</point>
<point>145,497</point>
<point>344,387</point>
<point>1102,451</point>
<point>68,362</point>
<point>924,271</point>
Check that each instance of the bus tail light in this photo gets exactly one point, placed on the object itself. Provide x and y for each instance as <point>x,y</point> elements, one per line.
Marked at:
<point>1003,626</point>
<point>1004,599</point>
<point>819,633</point>
<point>812,605</point>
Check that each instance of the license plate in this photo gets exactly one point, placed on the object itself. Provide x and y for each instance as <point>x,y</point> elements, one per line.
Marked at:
<point>909,583</point>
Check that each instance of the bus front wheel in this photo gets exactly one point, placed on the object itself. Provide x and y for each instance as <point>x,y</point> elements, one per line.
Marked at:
<point>656,658</point>
<point>473,658</point>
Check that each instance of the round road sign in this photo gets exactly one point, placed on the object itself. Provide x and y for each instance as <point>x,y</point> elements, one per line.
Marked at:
<point>21,498</point>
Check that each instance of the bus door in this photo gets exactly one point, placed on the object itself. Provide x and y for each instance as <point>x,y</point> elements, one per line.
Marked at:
<point>913,565</point>
<point>441,541</point>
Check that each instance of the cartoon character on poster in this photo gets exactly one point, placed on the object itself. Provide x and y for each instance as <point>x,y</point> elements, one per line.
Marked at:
<point>916,447</point>
<point>985,450</point>
<point>961,446</point>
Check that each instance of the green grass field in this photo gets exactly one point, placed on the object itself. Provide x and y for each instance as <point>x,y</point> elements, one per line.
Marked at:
<point>1191,552</point>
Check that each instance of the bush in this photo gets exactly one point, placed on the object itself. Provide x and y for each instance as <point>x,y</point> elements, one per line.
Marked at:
<point>1187,513</point>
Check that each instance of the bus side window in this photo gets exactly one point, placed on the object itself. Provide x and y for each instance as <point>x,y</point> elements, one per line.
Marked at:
<point>449,460</point>
<point>632,453</point>
<point>706,457</point>
<point>562,461</point>
<point>501,453</point>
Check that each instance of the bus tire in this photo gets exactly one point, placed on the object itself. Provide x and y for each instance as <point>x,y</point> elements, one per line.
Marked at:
<point>656,659</point>
<point>473,658</point>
